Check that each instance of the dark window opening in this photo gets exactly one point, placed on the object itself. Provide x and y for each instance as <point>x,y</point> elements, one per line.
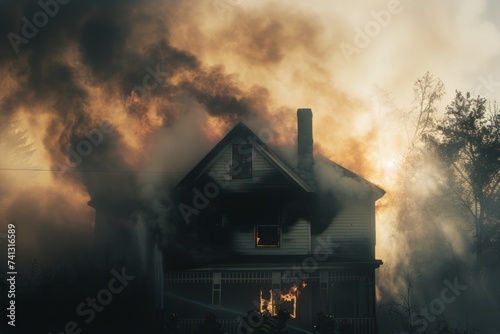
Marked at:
<point>241,166</point>
<point>268,235</point>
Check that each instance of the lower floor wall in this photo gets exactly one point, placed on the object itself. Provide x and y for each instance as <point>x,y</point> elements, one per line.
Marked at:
<point>345,293</point>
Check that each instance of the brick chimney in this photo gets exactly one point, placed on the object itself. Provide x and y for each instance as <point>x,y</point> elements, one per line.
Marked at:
<point>305,139</point>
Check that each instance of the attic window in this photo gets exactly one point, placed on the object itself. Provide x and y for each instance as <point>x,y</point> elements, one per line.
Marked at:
<point>268,235</point>
<point>241,166</point>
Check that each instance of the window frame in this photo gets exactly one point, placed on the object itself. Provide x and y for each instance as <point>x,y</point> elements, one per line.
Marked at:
<point>280,231</point>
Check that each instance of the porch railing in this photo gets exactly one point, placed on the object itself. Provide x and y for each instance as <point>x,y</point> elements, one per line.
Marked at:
<point>358,325</point>
<point>190,326</point>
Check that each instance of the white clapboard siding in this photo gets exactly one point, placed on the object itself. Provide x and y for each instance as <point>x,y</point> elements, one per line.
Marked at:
<point>349,232</point>
<point>264,174</point>
<point>294,241</point>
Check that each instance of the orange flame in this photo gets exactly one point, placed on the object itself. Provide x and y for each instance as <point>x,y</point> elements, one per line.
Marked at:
<point>270,305</point>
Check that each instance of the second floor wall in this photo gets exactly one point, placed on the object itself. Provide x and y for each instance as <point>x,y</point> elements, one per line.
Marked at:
<point>349,234</point>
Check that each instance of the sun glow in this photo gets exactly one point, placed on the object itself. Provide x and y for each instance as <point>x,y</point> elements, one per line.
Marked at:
<point>390,165</point>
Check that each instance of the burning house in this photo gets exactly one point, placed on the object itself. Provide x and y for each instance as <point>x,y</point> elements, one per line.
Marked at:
<point>255,231</point>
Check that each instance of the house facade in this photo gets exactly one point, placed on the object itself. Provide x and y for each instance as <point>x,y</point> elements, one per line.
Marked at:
<point>256,231</point>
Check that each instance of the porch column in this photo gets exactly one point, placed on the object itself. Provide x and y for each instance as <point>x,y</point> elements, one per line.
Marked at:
<point>216,289</point>
<point>323,282</point>
<point>374,300</point>
<point>276,279</point>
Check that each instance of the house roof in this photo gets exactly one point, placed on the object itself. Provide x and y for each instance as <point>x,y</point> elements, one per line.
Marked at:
<point>242,131</point>
<point>307,184</point>
<point>344,172</point>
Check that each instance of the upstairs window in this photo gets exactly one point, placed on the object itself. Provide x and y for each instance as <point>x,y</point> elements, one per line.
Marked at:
<point>268,235</point>
<point>241,164</point>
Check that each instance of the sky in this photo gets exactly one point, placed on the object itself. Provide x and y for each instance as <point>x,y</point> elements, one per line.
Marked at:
<point>147,78</point>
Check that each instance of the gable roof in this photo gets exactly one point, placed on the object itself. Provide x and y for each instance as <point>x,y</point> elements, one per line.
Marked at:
<point>344,172</point>
<point>242,131</point>
<point>307,184</point>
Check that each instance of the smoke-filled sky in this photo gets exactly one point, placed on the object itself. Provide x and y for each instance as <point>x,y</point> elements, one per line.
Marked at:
<point>147,79</point>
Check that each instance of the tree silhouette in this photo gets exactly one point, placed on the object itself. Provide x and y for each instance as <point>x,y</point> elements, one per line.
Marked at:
<point>468,142</point>
<point>14,145</point>
<point>420,118</point>
<point>15,152</point>
<point>427,91</point>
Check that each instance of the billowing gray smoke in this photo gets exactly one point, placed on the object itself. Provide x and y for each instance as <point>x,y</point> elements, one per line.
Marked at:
<point>78,64</point>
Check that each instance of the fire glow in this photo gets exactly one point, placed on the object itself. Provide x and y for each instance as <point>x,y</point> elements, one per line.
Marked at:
<point>272,305</point>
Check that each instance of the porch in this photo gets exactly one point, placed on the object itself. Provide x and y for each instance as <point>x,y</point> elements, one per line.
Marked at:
<point>346,293</point>
<point>358,325</point>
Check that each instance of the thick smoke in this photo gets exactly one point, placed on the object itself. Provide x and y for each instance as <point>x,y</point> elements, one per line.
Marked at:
<point>91,76</point>
<point>171,76</point>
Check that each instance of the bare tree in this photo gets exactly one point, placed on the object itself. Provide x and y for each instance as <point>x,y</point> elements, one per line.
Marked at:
<point>15,146</point>
<point>16,152</point>
<point>427,92</point>
<point>402,307</point>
